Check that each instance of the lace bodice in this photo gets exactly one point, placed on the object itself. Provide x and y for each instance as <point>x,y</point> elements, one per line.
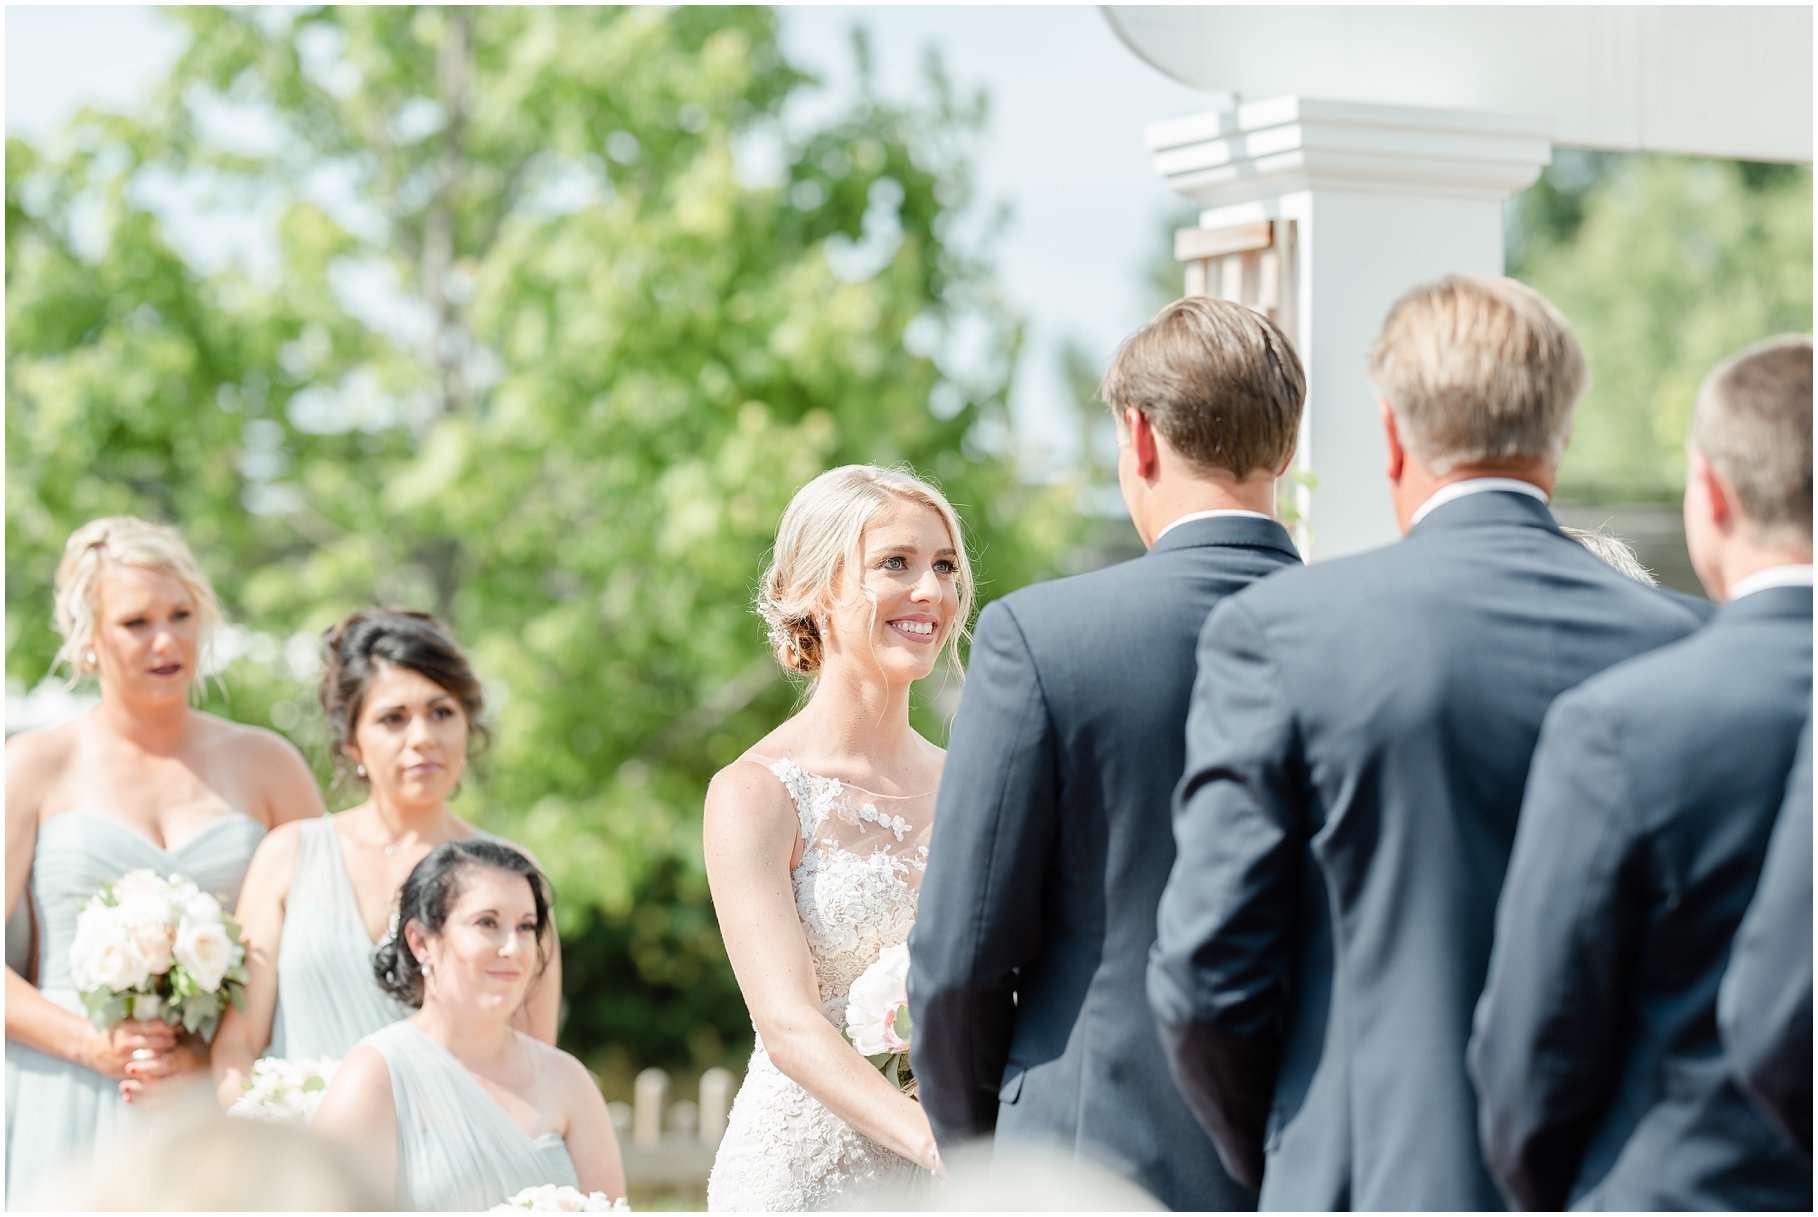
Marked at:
<point>855,888</point>
<point>859,875</point>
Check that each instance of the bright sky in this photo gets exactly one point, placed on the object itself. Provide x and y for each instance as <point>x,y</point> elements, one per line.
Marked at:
<point>1063,147</point>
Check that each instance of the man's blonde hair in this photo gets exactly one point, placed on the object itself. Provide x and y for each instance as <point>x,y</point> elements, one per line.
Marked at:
<point>1753,423</point>
<point>1478,370</point>
<point>1217,379</point>
<point>123,541</point>
<point>818,540</point>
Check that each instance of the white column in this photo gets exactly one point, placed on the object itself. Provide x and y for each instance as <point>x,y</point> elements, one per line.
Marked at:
<point>1381,198</point>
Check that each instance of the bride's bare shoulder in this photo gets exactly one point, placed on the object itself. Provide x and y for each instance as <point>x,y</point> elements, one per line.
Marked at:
<point>749,788</point>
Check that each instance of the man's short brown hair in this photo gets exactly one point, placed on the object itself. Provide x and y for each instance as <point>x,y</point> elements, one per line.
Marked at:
<point>1218,380</point>
<point>1478,370</point>
<point>1753,423</point>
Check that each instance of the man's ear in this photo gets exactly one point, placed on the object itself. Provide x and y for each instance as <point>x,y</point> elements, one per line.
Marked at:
<point>1719,500</point>
<point>1142,442</point>
<point>1398,456</point>
<point>1287,462</point>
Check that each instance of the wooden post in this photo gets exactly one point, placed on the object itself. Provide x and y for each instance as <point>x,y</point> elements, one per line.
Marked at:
<point>717,1086</point>
<point>649,1093</point>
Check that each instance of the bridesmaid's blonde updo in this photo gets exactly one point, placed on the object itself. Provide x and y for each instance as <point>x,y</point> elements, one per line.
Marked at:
<point>818,539</point>
<point>123,541</point>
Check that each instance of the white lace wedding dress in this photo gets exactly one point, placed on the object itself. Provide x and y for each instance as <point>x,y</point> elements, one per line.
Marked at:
<point>855,888</point>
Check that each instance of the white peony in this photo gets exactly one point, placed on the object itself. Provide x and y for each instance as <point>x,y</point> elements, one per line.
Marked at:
<point>205,951</point>
<point>103,955</point>
<point>877,1004</point>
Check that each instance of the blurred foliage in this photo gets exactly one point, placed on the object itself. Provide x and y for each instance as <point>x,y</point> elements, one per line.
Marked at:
<point>1665,265</point>
<point>543,316</point>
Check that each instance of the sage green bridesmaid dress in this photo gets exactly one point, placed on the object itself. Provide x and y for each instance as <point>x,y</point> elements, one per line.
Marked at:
<point>61,1117</point>
<point>458,1150</point>
<point>328,999</point>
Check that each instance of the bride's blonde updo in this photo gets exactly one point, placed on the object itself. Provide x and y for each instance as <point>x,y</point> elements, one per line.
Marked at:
<point>818,539</point>
<point>124,541</point>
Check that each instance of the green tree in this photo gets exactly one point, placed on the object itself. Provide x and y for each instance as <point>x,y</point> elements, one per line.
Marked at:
<point>547,311</point>
<point>1665,265</point>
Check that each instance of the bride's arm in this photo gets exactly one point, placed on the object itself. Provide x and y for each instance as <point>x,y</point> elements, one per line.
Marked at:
<point>751,830</point>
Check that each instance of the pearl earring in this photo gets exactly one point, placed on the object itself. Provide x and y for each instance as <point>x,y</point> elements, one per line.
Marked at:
<point>359,771</point>
<point>88,657</point>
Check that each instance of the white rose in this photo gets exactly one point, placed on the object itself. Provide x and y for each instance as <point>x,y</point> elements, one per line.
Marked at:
<point>874,998</point>
<point>152,940</point>
<point>141,885</point>
<point>205,952</point>
<point>199,907</point>
<point>102,955</point>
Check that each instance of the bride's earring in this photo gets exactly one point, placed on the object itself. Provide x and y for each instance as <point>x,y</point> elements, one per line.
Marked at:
<point>89,657</point>
<point>359,771</point>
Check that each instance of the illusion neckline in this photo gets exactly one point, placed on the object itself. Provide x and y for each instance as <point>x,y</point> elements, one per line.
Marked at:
<point>841,782</point>
<point>136,835</point>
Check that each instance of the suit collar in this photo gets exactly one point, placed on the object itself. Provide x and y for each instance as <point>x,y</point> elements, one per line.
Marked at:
<point>1768,604</point>
<point>1488,508</point>
<point>1246,532</point>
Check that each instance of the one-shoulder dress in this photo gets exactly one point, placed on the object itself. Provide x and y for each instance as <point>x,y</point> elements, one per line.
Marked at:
<point>458,1150</point>
<point>61,1117</point>
<point>328,998</point>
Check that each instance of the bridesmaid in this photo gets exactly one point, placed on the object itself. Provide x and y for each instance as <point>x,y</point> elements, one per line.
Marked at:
<point>453,1108</point>
<point>402,704</point>
<point>140,780</point>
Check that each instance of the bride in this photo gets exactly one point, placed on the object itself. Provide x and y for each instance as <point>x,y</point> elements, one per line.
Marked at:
<point>816,838</point>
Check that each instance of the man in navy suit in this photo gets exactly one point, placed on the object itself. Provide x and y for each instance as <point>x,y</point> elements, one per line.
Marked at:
<point>1764,1007</point>
<point>1051,839</point>
<point>1359,735</point>
<point>1653,794</point>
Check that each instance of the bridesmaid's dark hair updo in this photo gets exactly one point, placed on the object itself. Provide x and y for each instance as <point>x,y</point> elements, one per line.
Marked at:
<point>428,895</point>
<point>358,648</point>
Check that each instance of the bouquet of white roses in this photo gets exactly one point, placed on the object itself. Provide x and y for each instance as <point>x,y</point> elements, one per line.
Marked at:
<point>551,1198</point>
<point>156,948</point>
<point>877,1016</point>
<point>283,1092</point>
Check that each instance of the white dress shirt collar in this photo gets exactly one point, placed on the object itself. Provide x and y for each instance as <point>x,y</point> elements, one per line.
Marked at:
<point>1458,490</point>
<point>1793,575</point>
<point>1220,513</point>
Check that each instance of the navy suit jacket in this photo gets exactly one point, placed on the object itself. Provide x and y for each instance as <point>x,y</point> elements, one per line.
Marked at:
<point>1359,737</point>
<point>1654,791</point>
<point>1050,846</point>
<point>1764,1006</point>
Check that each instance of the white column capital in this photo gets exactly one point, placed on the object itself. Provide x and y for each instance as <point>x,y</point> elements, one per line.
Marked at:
<point>1265,149</point>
